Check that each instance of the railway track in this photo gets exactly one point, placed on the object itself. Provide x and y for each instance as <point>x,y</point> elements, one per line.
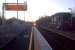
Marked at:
<point>57,41</point>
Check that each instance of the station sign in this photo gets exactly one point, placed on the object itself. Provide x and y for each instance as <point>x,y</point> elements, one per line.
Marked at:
<point>15,6</point>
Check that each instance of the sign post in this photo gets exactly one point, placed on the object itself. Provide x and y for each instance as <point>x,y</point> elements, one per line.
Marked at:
<point>15,7</point>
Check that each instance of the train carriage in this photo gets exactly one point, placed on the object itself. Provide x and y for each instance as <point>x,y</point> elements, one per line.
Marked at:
<point>62,21</point>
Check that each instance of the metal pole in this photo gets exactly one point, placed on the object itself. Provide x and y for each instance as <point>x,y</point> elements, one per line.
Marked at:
<point>3,13</point>
<point>17,9</point>
<point>25,7</point>
<point>24,11</point>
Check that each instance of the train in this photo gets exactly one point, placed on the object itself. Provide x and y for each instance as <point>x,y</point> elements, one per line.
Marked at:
<point>62,21</point>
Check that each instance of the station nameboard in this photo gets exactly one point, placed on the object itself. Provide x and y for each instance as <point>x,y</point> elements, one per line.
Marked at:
<point>15,6</point>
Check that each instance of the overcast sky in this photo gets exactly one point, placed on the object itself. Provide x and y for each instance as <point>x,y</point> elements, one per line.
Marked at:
<point>38,8</point>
